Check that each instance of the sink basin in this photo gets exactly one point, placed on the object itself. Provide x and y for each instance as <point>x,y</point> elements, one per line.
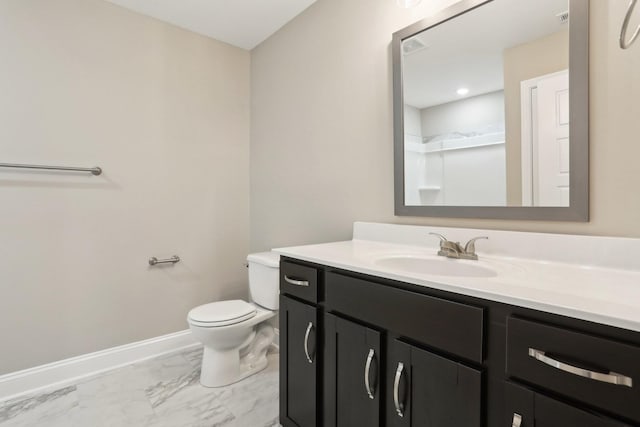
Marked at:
<point>436,266</point>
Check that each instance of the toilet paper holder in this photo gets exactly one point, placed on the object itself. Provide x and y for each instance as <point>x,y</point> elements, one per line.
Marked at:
<point>155,261</point>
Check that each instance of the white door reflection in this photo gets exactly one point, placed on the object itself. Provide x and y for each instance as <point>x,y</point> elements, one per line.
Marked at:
<point>545,140</point>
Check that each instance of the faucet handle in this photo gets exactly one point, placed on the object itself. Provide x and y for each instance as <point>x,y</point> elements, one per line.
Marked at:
<point>470,247</point>
<point>442,238</point>
<point>448,248</point>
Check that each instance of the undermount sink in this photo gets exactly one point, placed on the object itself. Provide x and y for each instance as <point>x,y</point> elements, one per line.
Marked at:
<point>436,266</point>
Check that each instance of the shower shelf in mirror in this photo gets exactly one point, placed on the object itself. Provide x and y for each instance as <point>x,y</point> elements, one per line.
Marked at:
<point>463,147</point>
<point>478,141</point>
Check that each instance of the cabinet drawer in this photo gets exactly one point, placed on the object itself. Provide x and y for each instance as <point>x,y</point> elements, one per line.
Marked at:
<point>445,325</point>
<point>598,371</point>
<point>299,280</point>
<point>525,408</point>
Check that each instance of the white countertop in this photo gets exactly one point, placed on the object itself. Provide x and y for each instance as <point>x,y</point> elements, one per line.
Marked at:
<point>594,293</point>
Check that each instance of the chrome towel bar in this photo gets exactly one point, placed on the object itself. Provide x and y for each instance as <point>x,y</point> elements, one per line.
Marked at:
<point>94,171</point>
<point>155,261</point>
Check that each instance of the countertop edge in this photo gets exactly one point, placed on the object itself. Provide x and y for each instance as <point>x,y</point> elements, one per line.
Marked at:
<point>505,299</point>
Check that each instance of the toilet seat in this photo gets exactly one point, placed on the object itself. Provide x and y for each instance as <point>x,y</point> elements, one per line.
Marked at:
<point>222,313</point>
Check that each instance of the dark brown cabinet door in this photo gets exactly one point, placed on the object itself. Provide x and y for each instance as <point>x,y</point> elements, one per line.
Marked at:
<point>427,390</point>
<point>298,363</point>
<point>352,374</point>
<point>526,408</point>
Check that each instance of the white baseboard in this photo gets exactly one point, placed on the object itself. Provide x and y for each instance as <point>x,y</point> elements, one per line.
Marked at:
<point>65,372</point>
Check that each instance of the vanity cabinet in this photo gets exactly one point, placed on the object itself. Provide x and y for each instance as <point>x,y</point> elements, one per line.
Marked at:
<point>352,360</point>
<point>581,366</point>
<point>385,353</point>
<point>299,281</point>
<point>299,364</point>
<point>526,408</point>
<point>419,388</point>
<point>448,325</point>
<point>424,389</point>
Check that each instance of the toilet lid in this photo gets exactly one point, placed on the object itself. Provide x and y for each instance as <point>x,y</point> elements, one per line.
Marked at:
<point>222,313</point>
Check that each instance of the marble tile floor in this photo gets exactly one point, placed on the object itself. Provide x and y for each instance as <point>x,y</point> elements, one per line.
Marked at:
<point>161,392</point>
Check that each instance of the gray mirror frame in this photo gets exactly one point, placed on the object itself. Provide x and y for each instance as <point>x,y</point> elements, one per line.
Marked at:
<point>578,209</point>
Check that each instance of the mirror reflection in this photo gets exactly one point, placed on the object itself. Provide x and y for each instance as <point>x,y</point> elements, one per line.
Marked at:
<point>486,107</point>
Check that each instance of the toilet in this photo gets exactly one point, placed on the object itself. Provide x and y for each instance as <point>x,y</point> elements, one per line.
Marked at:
<point>235,333</point>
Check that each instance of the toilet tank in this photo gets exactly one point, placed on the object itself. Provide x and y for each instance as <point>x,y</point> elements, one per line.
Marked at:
<point>264,279</point>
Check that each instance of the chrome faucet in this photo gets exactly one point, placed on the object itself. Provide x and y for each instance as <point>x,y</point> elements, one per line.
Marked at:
<point>455,250</point>
<point>448,248</point>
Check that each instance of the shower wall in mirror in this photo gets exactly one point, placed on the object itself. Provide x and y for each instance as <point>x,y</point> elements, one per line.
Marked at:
<point>486,107</point>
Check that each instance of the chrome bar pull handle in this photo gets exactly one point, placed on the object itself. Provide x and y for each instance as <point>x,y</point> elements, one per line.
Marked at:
<point>295,282</point>
<point>517,420</point>
<point>396,390</point>
<point>306,342</point>
<point>610,378</point>
<point>367,368</point>
<point>155,261</point>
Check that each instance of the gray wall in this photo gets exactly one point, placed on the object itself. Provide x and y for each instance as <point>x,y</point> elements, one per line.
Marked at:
<point>166,114</point>
<point>464,115</point>
<point>543,56</point>
<point>321,125</point>
<point>412,123</point>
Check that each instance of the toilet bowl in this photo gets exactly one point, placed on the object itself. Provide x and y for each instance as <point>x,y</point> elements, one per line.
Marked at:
<point>235,333</point>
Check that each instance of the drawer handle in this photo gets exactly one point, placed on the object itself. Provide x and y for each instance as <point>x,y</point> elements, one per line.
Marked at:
<point>306,342</point>
<point>517,420</point>
<point>396,390</point>
<point>611,377</point>
<point>367,369</point>
<point>296,282</point>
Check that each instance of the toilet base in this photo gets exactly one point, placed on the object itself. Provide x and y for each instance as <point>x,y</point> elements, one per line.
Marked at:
<point>224,367</point>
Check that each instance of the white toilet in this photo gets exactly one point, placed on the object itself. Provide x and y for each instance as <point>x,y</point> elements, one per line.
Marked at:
<point>235,333</point>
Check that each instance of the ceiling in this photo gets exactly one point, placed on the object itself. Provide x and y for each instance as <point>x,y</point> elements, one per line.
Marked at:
<point>242,23</point>
<point>468,50</point>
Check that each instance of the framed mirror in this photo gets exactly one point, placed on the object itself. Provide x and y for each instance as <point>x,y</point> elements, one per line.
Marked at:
<point>491,111</point>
